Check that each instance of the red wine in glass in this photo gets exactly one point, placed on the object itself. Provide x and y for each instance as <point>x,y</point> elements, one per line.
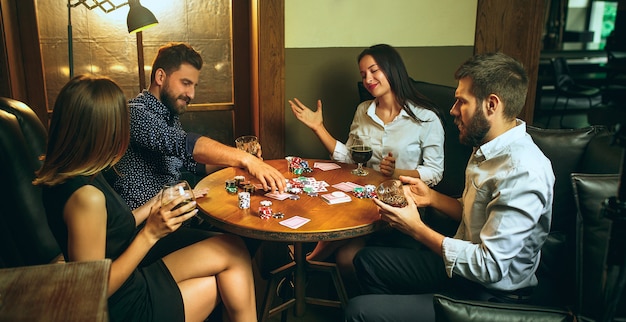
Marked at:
<point>361,152</point>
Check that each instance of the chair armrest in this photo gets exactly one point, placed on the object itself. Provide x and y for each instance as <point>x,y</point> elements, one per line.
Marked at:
<point>449,309</point>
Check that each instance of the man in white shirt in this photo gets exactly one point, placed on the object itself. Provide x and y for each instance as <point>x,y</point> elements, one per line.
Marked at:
<point>504,215</point>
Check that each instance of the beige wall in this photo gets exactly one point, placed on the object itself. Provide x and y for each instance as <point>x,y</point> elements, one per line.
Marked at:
<point>360,23</point>
<point>324,37</point>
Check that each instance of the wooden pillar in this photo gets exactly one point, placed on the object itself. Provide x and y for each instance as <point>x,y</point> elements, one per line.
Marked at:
<point>268,76</point>
<point>515,28</point>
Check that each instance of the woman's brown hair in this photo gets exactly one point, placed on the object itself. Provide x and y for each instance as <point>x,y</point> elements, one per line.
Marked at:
<point>89,130</point>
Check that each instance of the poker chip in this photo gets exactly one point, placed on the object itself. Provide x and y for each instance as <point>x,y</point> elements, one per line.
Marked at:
<point>278,215</point>
<point>370,191</point>
<point>231,186</point>
<point>239,179</point>
<point>298,166</point>
<point>265,212</point>
<point>359,192</point>
<point>295,190</point>
<point>244,200</point>
<point>266,203</point>
<point>249,188</point>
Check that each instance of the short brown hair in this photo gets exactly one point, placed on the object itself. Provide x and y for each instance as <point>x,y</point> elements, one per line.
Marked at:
<point>89,130</point>
<point>499,74</point>
<point>172,55</point>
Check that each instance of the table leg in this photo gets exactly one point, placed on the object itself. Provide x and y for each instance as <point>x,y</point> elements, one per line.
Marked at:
<point>300,278</point>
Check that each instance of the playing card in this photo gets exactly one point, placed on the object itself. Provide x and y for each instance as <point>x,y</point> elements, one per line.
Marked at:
<point>346,186</point>
<point>278,196</point>
<point>325,166</point>
<point>294,222</point>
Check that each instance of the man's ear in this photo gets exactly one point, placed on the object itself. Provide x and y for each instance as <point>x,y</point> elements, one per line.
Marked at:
<point>159,76</point>
<point>493,103</point>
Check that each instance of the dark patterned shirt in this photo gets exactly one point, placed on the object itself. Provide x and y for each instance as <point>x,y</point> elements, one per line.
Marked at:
<point>159,147</point>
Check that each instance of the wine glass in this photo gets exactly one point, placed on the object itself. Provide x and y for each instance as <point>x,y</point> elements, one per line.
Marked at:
<point>361,152</point>
<point>175,190</point>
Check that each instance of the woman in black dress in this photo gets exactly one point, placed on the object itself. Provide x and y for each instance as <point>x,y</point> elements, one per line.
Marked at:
<point>89,132</point>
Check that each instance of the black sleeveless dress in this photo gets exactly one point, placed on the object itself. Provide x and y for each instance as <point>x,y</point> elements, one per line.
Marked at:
<point>150,293</point>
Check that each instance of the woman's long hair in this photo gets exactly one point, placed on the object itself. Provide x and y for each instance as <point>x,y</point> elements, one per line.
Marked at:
<point>392,65</point>
<point>89,130</point>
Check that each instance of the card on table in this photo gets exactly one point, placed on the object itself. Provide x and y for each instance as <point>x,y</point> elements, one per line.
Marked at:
<point>325,166</point>
<point>294,222</point>
<point>278,196</point>
<point>346,186</point>
<point>336,197</point>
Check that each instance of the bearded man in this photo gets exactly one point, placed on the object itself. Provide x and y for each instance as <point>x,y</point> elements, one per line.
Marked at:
<point>160,147</point>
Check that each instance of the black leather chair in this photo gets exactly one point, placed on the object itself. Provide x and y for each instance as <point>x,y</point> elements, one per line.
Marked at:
<point>565,86</point>
<point>24,233</point>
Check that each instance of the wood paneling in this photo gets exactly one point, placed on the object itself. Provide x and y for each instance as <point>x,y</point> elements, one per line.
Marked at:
<point>269,74</point>
<point>513,27</point>
<point>242,82</point>
<point>22,77</point>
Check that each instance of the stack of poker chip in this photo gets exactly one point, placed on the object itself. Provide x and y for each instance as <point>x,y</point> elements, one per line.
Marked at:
<point>370,191</point>
<point>359,192</point>
<point>244,200</point>
<point>239,180</point>
<point>298,166</point>
<point>231,186</point>
<point>249,188</point>
<point>265,211</point>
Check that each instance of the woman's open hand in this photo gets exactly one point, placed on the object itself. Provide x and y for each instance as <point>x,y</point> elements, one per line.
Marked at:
<point>313,120</point>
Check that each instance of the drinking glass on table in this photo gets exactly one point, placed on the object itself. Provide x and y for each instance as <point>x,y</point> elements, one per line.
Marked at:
<point>361,152</point>
<point>175,190</point>
<point>248,143</point>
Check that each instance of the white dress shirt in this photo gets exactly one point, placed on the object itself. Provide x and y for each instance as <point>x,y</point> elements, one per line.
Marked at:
<point>507,210</point>
<point>416,145</point>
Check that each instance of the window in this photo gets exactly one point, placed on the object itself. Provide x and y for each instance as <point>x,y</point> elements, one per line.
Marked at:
<point>102,45</point>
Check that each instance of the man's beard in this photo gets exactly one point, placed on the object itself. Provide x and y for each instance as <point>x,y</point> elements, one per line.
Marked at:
<point>170,101</point>
<point>476,130</point>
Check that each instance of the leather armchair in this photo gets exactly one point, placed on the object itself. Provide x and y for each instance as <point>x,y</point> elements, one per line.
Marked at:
<point>24,233</point>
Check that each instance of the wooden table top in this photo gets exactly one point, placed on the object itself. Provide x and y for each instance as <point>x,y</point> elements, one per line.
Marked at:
<point>328,222</point>
<point>73,291</point>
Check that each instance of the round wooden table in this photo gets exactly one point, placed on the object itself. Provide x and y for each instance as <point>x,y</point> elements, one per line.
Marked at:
<point>327,222</point>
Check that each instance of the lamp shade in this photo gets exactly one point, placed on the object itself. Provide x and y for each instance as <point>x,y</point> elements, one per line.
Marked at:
<point>139,17</point>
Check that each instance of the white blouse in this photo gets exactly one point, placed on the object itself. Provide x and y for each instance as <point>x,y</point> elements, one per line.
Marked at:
<point>416,145</point>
